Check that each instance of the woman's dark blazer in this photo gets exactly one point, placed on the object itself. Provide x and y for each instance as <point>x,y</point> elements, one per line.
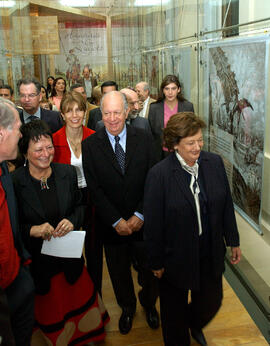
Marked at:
<point>31,213</point>
<point>171,227</point>
<point>156,121</point>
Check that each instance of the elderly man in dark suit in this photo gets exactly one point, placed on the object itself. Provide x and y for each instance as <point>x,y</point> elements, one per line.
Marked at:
<point>95,114</point>
<point>30,96</point>
<point>116,160</point>
<point>143,91</point>
<point>17,287</point>
<point>133,118</point>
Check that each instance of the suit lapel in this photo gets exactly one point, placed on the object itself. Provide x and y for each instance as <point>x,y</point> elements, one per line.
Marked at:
<point>160,117</point>
<point>61,188</point>
<point>131,144</point>
<point>180,178</point>
<point>180,106</point>
<point>20,111</point>
<point>42,114</point>
<point>148,106</point>
<point>106,147</point>
<point>29,194</point>
<point>206,171</point>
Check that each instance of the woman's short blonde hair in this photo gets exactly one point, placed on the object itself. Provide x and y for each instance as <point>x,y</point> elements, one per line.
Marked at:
<point>179,126</point>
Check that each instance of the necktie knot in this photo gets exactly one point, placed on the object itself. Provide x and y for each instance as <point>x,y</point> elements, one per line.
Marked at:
<point>117,139</point>
<point>32,117</point>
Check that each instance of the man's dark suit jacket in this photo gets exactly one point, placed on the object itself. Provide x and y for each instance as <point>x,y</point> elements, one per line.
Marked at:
<point>116,195</point>
<point>32,213</point>
<point>139,122</point>
<point>95,115</point>
<point>156,121</point>
<point>52,118</point>
<point>22,287</point>
<point>171,228</point>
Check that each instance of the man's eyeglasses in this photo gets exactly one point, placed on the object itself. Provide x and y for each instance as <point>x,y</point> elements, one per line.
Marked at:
<point>30,96</point>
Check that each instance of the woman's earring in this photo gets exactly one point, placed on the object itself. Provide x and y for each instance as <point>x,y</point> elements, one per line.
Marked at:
<point>25,162</point>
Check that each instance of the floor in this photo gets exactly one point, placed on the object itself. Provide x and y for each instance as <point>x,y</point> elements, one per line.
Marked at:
<point>232,326</point>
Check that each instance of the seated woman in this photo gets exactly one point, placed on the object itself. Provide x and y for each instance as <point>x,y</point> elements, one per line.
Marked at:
<point>68,309</point>
<point>67,143</point>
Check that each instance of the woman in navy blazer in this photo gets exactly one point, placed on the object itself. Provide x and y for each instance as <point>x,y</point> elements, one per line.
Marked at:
<point>169,99</point>
<point>189,221</point>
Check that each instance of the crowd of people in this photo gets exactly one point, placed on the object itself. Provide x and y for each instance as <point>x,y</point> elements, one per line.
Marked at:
<point>130,171</point>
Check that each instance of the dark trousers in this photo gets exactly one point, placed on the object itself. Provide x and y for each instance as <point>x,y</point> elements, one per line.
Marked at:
<point>94,258</point>
<point>177,316</point>
<point>119,259</point>
<point>93,244</point>
<point>5,325</point>
<point>20,296</point>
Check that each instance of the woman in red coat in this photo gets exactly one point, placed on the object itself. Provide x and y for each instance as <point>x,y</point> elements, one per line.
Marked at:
<point>67,143</point>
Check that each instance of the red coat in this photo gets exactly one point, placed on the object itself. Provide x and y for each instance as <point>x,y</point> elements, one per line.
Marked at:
<point>62,152</point>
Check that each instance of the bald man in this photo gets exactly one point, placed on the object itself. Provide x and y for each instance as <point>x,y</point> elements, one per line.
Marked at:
<point>133,119</point>
<point>116,160</point>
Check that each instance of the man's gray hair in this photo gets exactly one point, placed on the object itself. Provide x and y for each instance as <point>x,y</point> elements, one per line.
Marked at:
<point>28,81</point>
<point>6,114</point>
<point>124,98</point>
<point>146,87</point>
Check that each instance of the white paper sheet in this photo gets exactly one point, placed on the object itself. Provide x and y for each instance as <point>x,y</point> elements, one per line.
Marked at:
<point>69,246</point>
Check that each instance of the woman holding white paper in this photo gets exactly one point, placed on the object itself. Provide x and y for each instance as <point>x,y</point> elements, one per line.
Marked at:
<point>67,307</point>
<point>68,149</point>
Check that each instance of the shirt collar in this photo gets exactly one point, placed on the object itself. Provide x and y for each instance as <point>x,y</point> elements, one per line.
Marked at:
<point>146,100</point>
<point>122,134</point>
<point>27,115</point>
<point>193,170</point>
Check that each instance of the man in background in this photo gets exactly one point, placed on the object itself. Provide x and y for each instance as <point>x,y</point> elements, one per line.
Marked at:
<point>15,278</point>
<point>30,97</point>
<point>7,92</point>
<point>143,91</point>
<point>134,110</point>
<point>89,107</point>
<point>88,81</point>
